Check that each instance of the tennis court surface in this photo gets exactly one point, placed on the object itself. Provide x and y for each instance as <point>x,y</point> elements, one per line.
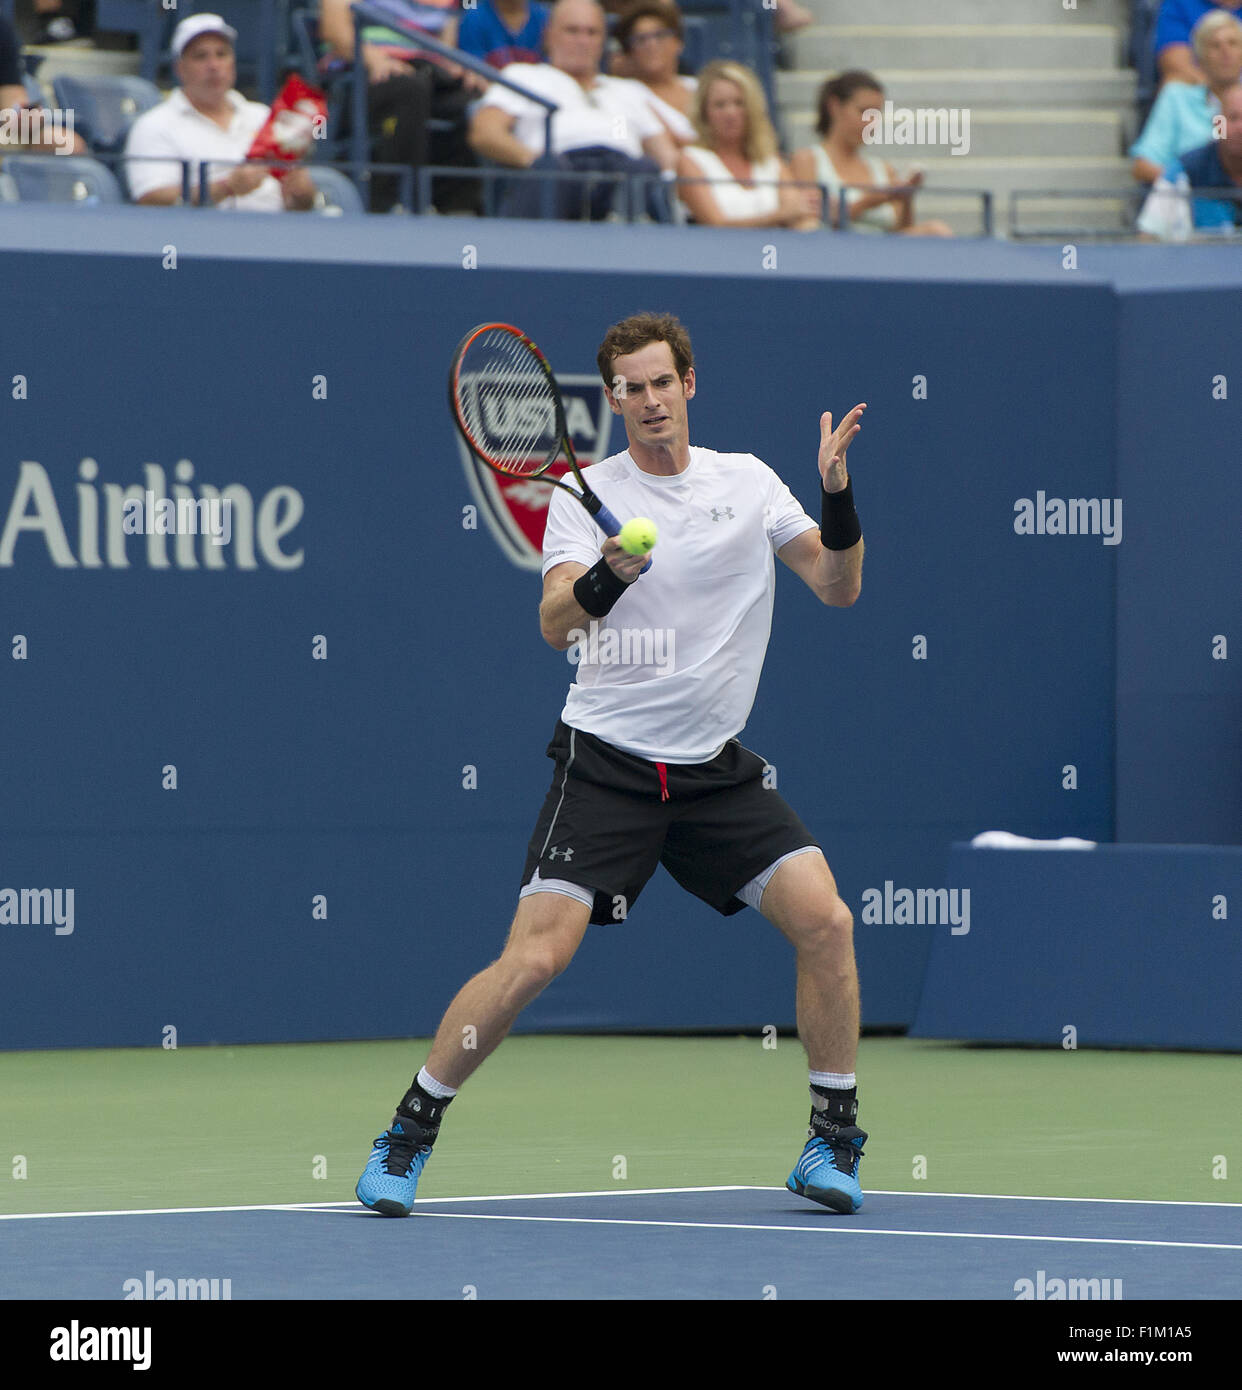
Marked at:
<point>709,1243</point>
<point>618,1167</point>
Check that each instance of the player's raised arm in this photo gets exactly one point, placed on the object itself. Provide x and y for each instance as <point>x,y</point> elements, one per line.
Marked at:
<point>830,564</point>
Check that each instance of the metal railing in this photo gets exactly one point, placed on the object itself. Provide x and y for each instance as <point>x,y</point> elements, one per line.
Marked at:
<point>634,193</point>
<point>1130,200</point>
<point>841,222</point>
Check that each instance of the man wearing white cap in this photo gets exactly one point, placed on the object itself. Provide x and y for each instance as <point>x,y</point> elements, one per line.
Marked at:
<point>206,120</point>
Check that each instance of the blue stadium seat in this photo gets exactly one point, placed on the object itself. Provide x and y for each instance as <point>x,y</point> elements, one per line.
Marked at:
<point>31,63</point>
<point>104,107</point>
<point>148,19</point>
<point>339,196</point>
<point>51,178</point>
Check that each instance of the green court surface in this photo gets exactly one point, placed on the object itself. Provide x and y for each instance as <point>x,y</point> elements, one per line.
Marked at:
<point>215,1126</point>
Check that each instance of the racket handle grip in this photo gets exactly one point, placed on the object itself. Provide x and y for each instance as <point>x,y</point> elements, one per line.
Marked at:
<point>612,527</point>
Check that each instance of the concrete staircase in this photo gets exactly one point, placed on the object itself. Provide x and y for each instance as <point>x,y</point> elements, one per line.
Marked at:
<point>1049,95</point>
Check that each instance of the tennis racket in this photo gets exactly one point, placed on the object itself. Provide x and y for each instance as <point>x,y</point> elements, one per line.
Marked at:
<point>508,408</point>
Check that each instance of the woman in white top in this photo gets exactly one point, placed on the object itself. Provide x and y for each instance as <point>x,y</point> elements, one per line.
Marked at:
<point>650,34</point>
<point>737,150</point>
<point>839,159</point>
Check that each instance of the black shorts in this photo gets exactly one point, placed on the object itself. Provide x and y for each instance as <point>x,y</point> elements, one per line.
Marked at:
<point>610,818</point>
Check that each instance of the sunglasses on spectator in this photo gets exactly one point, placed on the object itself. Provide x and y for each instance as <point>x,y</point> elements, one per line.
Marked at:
<point>636,39</point>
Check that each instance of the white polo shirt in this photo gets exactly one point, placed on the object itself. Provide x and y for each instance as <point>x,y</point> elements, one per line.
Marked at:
<point>670,674</point>
<point>175,129</point>
<point>615,112</point>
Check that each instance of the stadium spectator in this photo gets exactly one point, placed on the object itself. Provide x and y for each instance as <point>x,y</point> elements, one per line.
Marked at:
<point>1175,58</point>
<point>1181,119</point>
<point>206,121</point>
<point>59,21</point>
<point>22,124</point>
<point>737,150</point>
<point>407,87</point>
<point>602,123</point>
<point>1217,164</point>
<point>500,32</point>
<point>651,35</point>
<point>838,160</point>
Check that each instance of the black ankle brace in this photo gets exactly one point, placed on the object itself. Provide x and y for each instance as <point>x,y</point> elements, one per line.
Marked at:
<point>420,1113</point>
<point>841,1107</point>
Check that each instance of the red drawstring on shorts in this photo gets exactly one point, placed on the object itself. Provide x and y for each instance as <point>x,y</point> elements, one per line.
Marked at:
<point>663,781</point>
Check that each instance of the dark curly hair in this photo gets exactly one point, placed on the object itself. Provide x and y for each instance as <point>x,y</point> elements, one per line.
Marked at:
<point>636,332</point>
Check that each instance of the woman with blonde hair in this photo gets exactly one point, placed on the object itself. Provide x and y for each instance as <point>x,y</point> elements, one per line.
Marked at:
<point>749,184</point>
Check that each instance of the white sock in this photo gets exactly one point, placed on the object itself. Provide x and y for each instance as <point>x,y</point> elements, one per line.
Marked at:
<point>432,1086</point>
<point>834,1080</point>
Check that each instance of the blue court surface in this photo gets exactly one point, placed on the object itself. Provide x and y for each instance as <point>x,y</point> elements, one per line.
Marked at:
<point>659,1244</point>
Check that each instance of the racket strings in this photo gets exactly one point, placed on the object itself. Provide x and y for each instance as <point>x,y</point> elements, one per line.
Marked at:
<point>507,403</point>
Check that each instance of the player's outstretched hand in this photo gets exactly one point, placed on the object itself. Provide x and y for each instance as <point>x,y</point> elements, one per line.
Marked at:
<point>832,447</point>
<point>624,565</point>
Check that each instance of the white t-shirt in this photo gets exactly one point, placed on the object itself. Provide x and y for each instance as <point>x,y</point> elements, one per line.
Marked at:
<point>670,674</point>
<point>175,129</point>
<point>616,111</point>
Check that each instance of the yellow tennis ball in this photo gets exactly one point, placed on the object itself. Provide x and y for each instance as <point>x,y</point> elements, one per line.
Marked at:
<point>638,535</point>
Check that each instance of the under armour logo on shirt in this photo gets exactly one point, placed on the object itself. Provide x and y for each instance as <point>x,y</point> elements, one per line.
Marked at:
<point>722,513</point>
<point>565,854</point>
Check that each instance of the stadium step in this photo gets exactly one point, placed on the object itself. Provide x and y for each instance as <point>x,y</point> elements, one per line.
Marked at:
<point>987,134</point>
<point>1048,89</point>
<point>994,12</point>
<point>1063,120</point>
<point>80,58</point>
<point>833,47</point>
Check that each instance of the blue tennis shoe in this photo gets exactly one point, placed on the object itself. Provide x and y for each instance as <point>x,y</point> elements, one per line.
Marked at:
<point>390,1179</point>
<point>827,1172</point>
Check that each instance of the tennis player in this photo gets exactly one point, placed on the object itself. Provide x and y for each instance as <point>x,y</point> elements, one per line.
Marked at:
<point>648,768</point>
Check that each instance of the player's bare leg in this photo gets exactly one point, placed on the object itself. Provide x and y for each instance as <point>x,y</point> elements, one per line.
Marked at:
<point>802,901</point>
<point>546,931</point>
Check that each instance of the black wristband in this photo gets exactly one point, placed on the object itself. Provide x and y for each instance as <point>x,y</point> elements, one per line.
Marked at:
<point>598,589</point>
<point>839,528</point>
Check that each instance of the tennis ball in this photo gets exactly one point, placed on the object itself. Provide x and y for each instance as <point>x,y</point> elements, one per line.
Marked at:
<point>638,535</point>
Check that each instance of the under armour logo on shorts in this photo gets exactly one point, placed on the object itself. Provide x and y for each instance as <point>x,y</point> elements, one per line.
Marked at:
<point>565,854</point>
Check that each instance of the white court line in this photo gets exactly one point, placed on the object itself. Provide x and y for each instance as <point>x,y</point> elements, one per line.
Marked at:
<point>602,1192</point>
<point>1019,1197</point>
<point>834,1230</point>
<point>324,1206</point>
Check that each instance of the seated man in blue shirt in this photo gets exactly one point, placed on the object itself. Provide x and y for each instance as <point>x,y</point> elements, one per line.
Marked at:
<point>503,31</point>
<point>1182,117</point>
<point>1218,164</point>
<point>1174,58</point>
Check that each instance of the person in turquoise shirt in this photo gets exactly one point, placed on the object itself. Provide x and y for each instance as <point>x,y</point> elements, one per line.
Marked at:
<point>1183,117</point>
<point>1214,166</point>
